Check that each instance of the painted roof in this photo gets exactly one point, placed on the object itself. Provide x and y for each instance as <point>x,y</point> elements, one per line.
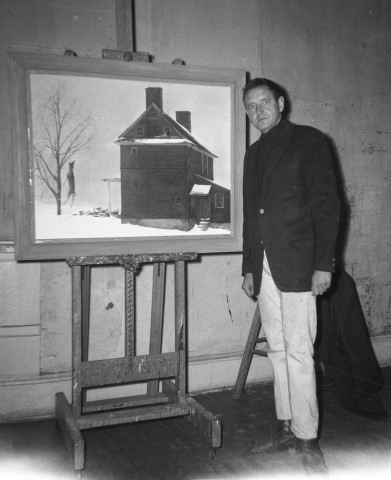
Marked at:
<point>183,137</point>
<point>200,189</point>
<point>209,182</point>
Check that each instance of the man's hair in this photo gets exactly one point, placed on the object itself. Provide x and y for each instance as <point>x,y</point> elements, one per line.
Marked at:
<point>276,90</point>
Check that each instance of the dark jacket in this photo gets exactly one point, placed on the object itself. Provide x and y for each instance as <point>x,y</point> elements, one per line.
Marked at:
<point>296,208</point>
<point>345,348</point>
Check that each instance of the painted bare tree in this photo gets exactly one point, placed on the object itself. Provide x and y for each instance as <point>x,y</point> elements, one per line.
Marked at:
<point>60,133</point>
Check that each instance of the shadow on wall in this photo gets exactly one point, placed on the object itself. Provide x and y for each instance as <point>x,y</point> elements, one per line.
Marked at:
<point>345,213</point>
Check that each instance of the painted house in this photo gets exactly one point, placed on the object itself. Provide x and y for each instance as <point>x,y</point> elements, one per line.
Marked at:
<point>166,174</point>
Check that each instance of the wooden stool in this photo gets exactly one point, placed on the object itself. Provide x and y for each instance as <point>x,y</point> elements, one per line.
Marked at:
<point>250,350</point>
<point>169,368</point>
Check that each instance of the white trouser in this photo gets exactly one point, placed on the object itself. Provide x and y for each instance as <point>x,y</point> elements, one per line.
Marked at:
<point>289,322</point>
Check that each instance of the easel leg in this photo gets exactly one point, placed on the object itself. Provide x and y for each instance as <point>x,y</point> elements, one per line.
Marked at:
<point>205,422</point>
<point>71,431</point>
<point>176,392</point>
<point>65,413</point>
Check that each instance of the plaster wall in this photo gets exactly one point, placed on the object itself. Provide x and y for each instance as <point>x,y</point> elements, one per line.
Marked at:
<point>334,59</point>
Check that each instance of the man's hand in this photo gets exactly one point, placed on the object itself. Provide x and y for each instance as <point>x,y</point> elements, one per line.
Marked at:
<point>248,284</point>
<point>321,282</point>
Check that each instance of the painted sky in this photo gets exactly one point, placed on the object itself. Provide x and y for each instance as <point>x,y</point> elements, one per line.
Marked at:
<point>113,105</point>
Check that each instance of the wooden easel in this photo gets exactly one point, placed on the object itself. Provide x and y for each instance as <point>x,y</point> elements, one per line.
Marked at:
<point>169,368</point>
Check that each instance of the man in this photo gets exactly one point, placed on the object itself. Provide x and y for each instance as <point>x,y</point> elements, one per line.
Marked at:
<point>291,216</point>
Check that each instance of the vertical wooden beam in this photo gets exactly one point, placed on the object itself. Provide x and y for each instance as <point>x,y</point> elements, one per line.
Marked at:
<point>124,20</point>
<point>85,317</point>
<point>180,328</point>
<point>156,334</point>
<point>85,309</point>
<point>76,339</point>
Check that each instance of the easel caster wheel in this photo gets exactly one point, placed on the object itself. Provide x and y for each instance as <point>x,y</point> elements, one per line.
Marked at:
<point>78,474</point>
<point>212,453</point>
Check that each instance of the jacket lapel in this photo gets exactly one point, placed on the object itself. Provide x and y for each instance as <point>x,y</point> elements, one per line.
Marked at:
<point>279,149</point>
<point>253,177</point>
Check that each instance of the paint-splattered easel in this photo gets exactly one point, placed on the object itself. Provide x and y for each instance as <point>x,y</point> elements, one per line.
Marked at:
<point>167,368</point>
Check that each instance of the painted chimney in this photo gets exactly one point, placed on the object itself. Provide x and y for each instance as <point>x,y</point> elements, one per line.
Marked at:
<point>184,118</point>
<point>154,95</point>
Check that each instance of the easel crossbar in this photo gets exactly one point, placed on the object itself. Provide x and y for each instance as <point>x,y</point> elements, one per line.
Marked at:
<point>133,415</point>
<point>131,259</point>
<point>132,369</point>
<point>94,406</point>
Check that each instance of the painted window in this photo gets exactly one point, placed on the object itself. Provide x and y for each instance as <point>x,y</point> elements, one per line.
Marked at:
<point>219,200</point>
<point>210,167</point>
<point>167,131</point>
<point>205,164</point>
<point>135,184</point>
<point>178,200</point>
<point>133,151</point>
<point>140,131</point>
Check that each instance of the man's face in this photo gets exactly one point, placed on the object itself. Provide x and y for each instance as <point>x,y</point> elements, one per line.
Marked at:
<point>262,108</point>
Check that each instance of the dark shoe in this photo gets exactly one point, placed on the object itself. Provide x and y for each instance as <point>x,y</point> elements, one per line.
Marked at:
<point>311,456</point>
<point>281,439</point>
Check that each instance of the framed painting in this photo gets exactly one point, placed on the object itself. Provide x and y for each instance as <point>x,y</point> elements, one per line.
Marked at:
<point>115,157</point>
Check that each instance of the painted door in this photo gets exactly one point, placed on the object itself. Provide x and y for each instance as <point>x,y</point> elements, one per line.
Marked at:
<point>203,210</point>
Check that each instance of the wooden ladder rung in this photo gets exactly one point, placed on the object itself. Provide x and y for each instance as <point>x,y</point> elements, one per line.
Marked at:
<point>258,351</point>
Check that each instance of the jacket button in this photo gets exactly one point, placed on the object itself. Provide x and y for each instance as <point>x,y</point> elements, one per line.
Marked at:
<point>261,211</point>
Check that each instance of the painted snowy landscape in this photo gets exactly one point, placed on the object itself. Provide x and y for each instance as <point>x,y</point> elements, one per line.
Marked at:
<point>72,224</point>
<point>94,113</point>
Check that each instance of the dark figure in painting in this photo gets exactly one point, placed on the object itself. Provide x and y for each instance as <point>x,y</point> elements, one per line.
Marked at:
<point>71,183</point>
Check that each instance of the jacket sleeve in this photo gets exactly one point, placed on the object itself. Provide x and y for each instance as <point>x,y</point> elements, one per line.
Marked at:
<point>246,241</point>
<point>324,202</point>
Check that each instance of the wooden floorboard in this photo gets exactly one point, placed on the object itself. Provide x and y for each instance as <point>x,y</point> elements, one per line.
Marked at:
<point>172,449</point>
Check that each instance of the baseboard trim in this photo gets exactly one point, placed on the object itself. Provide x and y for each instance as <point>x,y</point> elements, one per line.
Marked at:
<point>32,398</point>
<point>382,347</point>
<point>42,379</point>
<point>28,398</point>
<point>216,372</point>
